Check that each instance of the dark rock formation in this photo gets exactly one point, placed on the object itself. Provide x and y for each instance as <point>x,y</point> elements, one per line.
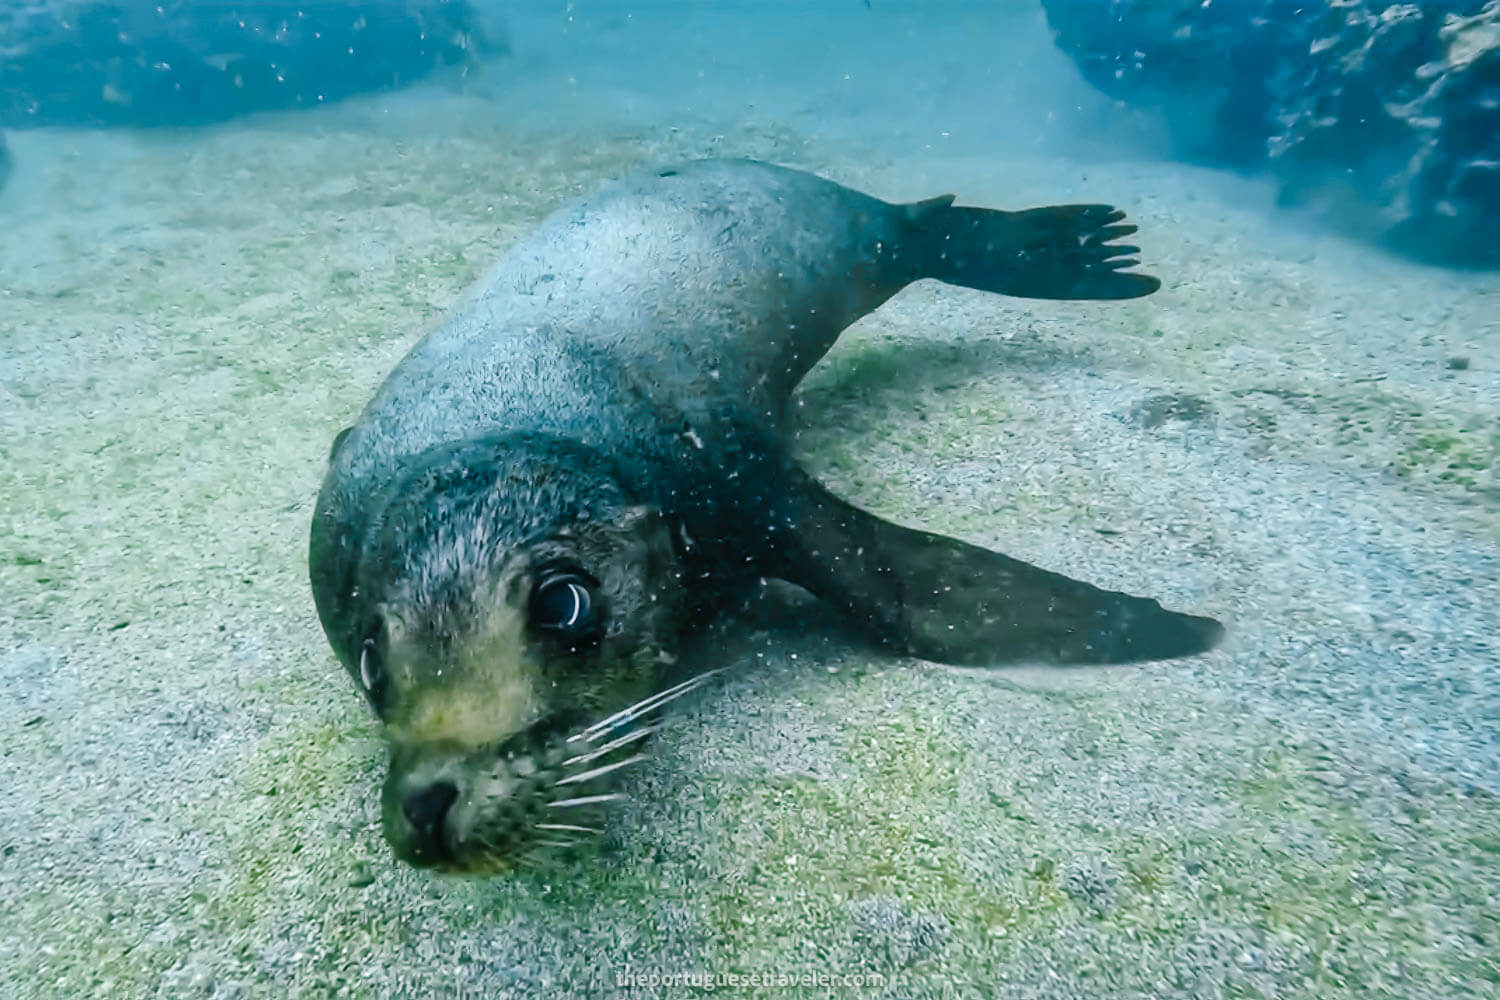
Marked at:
<point>1203,66</point>
<point>1385,115</point>
<point>185,62</point>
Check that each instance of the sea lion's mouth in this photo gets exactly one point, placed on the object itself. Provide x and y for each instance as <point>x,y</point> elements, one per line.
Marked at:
<point>539,793</point>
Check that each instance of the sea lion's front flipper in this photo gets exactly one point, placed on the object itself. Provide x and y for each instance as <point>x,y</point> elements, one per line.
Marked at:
<point>949,601</point>
<point>1057,252</point>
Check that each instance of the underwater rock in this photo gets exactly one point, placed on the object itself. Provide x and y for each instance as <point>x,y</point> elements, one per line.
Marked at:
<point>77,62</point>
<point>1386,116</point>
<point>1204,66</point>
<point>1154,411</point>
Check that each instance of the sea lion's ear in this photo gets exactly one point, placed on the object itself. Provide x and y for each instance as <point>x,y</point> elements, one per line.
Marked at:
<point>641,520</point>
<point>952,602</point>
<point>391,623</point>
<point>644,524</point>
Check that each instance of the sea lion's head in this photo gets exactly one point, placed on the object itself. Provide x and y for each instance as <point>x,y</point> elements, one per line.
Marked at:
<point>514,597</point>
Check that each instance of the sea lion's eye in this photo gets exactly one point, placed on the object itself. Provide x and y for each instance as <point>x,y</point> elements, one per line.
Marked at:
<point>369,665</point>
<point>564,604</point>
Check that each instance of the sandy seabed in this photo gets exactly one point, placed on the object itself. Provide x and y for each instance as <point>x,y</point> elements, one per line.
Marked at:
<point>1281,437</point>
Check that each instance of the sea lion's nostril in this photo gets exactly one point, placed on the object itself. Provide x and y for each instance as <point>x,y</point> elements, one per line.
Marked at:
<point>427,807</point>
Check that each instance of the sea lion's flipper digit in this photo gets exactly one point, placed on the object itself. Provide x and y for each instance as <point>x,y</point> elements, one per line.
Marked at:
<point>952,602</point>
<point>1058,252</point>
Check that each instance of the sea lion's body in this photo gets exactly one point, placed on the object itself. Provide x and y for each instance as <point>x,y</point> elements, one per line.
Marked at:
<point>607,400</point>
<point>606,328</point>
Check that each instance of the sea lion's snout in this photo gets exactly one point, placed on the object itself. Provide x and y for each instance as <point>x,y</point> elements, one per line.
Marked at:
<point>420,792</point>
<point>485,811</point>
<point>458,811</point>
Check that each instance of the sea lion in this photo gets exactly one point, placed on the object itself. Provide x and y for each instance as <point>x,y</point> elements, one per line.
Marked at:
<point>585,458</point>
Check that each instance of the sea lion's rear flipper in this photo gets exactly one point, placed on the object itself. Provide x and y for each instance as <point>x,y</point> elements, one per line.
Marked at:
<point>949,601</point>
<point>1058,252</point>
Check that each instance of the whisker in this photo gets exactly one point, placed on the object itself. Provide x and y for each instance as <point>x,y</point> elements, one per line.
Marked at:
<point>566,827</point>
<point>614,744</point>
<point>585,800</point>
<point>574,779</point>
<point>644,706</point>
<point>605,737</point>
